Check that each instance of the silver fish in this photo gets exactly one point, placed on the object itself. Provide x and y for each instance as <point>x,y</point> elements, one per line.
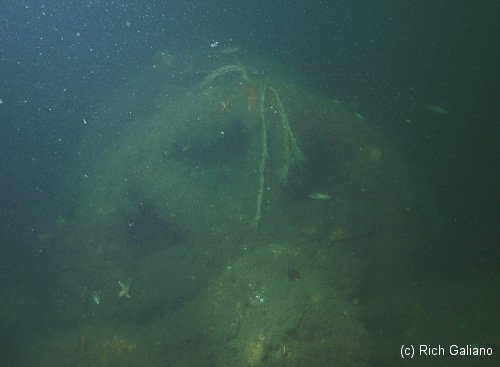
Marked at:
<point>438,109</point>
<point>320,196</point>
<point>96,297</point>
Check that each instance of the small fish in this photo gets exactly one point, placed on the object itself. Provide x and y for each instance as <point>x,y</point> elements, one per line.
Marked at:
<point>320,196</point>
<point>359,116</point>
<point>438,109</point>
<point>124,289</point>
<point>96,297</point>
<point>230,50</point>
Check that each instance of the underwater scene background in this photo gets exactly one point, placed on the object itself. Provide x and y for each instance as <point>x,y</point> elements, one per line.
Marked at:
<point>249,184</point>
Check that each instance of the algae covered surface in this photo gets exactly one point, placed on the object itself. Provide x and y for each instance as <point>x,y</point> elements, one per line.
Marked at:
<point>193,239</point>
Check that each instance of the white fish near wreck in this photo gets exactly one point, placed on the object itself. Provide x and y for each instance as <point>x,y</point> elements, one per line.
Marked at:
<point>228,50</point>
<point>96,297</point>
<point>438,109</point>
<point>320,196</point>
